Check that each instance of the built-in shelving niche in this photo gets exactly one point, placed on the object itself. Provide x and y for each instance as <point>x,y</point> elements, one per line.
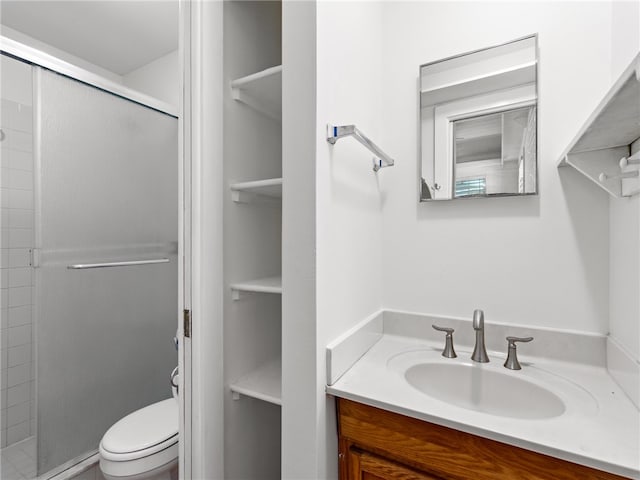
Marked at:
<point>261,91</point>
<point>252,231</point>
<point>606,147</point>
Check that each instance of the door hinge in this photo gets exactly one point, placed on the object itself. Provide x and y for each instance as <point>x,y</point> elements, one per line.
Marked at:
<point>34,257</point>
<point>186,322</point>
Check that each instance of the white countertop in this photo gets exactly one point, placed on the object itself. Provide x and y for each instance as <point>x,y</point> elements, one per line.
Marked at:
<point>599,429</point>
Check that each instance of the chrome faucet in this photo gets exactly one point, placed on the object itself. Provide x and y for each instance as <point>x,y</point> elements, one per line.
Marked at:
<point>479,351</point>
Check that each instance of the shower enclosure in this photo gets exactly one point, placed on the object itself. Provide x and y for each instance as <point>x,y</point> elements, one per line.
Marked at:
<point>89,262</point>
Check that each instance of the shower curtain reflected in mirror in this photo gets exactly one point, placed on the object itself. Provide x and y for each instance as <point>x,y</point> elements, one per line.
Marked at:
<point>106,191</point>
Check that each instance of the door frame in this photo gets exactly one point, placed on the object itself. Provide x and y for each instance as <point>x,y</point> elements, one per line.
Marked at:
<point>184,244</point>
<point>201,354</point>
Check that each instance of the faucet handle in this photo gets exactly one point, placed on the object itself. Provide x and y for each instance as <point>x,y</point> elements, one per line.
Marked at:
<point>513,340</point>
<point>512,362</point>
<point>443,329</point>
<point>448,351</point>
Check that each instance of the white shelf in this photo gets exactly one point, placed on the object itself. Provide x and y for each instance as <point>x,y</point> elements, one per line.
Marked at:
<point>265,384</point>
<point>261,91</point>
<point>261,285</point>
<point>607,135</point>
<point>245,191</point>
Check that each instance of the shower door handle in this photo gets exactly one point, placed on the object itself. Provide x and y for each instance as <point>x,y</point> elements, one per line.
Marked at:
<point>84,266</point>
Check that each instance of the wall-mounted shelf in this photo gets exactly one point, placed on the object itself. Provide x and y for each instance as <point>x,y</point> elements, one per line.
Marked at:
<point>262,91</point>
<point>261,285</point>
<point>608,135</point>
<point>244,192</point>
<point>265,384</point>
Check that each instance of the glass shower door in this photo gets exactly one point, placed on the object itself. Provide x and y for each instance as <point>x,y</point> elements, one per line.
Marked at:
<point>106,192</point>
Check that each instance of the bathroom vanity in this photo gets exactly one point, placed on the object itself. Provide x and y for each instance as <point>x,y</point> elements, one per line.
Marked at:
<point>405,411</point>
<point>378,444</point>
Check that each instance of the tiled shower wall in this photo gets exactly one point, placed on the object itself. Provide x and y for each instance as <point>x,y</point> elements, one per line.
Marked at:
<point>17,400</point>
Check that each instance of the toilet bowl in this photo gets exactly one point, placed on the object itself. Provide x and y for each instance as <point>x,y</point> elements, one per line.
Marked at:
<point>143,445</point>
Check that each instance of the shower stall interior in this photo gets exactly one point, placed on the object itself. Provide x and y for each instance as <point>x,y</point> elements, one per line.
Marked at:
<point>89,264</point>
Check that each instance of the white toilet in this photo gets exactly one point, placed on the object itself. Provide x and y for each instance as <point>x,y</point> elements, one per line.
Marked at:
<point>143,445</point>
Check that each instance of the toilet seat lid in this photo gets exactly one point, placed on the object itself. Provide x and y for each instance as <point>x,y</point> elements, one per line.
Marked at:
<point>143,429</point>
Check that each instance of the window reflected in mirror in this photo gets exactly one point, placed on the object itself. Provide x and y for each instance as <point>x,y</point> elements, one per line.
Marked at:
<point>495,154</point>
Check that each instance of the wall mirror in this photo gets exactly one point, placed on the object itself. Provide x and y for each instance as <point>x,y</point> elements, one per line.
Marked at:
<point>478,123</point>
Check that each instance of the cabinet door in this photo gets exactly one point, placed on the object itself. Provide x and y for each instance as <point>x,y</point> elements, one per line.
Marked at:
<point>366,466</point>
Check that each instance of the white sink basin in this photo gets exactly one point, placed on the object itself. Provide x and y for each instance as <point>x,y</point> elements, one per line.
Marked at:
<point>478,387</point>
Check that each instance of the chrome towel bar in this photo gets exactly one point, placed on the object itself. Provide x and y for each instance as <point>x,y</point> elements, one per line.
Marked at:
<point>335,132</point>
<point>84,266</point>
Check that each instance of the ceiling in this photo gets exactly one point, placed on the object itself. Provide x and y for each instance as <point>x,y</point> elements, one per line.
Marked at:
<point>119,36</point>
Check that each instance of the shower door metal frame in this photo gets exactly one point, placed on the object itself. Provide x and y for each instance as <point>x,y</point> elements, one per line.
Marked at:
<point>37,57</point>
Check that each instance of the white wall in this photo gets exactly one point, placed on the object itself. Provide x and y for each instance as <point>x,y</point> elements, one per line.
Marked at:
<point>300,385</point>
<point>624,222</point>
<point>349,200</point>
<point>332,255</point>
<point>350,246</point>
<point>540,260</point>
<point>332,251</point>
<point>159,79</point>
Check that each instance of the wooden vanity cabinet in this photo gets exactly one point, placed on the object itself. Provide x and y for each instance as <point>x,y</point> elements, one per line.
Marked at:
<point>376,444</point>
